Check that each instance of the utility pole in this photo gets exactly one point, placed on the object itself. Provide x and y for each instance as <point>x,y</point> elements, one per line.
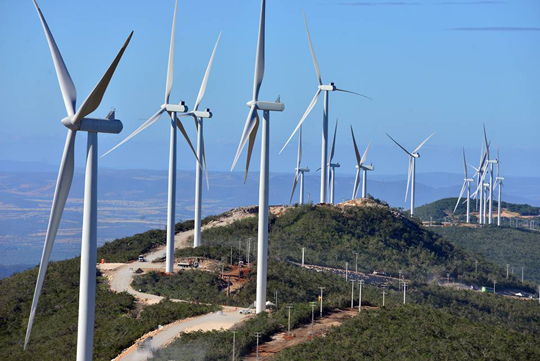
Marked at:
<point>313,315</point>
<point>360,283</point>
<point>383,294</point>
<point>352,293</point>
<point>233,344</point>
<point>275,292</point>
<point>239,250</point>
<point>404,292</point>
<point>249,250</point>
<point>400,271</point>
<point>289,328</point>
<point>346,271</point>
<point>507,269</point>
<point>258,335</point>
<point>303,255</point>
<point>322,288</point>
<point>356,268</point>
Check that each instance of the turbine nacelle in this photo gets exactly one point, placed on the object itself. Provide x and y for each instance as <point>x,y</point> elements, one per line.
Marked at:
<point>176,108</point>
<point>97,125</point>
<point>330,87</point>
<point>416,155</point>
<point>302,169</point>
<point>269,106</point>
<point>202,114</point>
<point>334,165</point>
<point>365,167</point>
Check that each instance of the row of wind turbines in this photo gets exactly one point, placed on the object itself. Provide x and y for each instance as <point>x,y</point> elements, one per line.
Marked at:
<point>77,120</point>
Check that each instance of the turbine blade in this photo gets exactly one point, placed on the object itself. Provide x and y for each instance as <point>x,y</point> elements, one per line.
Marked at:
<point>259,59</point>
<point>408,178</point>
<point>69,94</point>
<point>206,75</point>
<point>170,66</point>
<point>464,162</point>
<point>186,136</point>
<point>299,157</point>
<point>399,145</point>
<point>358,159</point>
<point>94,99</point>
<point>252,137</point>
<point>333,143</point>
<point>248,127</point>
<point>364,156</point>
<point>348,91</point>
<point>145,125</point>
<point>294,186</point>
<point>61,192</point>
<point>356,183</point>
<point>422,144</point>
<point>205,166</point>
<point>306,113</point>
<point>486,141</point>
<point>312,51</point>
<point>460,195</point>
<point>498,162</point>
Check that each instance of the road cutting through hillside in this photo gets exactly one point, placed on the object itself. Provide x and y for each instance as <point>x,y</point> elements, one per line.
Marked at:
<point>120,276</point>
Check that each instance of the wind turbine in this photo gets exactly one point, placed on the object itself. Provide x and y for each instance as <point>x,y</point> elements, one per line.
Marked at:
<point>466,184</point>
<point>172,110</point>
<point>76,121</point>
<point>412,168</point>
<point>360,167</point>
<point>499,183</point>
<point>491,178</point>
<point>326,89</point>
<point>332,167</point>
<point>198,117</point>
<point>299,175</point>
<point>480,174</point>
<point>250,133</point>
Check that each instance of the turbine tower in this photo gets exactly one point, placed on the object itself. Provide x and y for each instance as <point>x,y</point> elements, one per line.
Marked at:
<point>299,174</point>
<point>250,133</point>
<point>499,184</point>
<point>326,89</point>
<point>360,167</point>
<point>332,167</point>
<point>76,121</point>
<point>480,175</point>
<point>491,178</point>
<point>466,184</point>
<point>412,168</point>
<point>172,110</point>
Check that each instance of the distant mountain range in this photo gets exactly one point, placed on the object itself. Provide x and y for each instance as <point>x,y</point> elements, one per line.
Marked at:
<point>132,201</point>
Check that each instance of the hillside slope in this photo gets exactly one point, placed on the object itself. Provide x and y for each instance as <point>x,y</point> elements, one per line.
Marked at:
<point>501,245</point>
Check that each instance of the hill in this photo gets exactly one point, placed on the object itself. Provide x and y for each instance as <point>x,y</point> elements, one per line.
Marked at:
<point>501,245</point>
<point>443,208</point>
<point>384,239</point>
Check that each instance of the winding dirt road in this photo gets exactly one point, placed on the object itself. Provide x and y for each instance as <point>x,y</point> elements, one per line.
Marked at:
<point>120,276</point>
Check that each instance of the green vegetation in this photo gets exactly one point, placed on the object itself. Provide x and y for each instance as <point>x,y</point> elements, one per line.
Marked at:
<point>415,333</point>
<point>119,322</point>
<point>501,245</point>
<point>442,208</point>
<point>385,240</point>
<point>191,285</point>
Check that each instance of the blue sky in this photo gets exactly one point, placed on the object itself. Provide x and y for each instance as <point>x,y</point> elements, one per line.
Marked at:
<point>445,66</point>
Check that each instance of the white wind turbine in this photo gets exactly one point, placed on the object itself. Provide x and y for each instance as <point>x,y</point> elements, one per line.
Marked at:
<point>491,179</point>
<point>360,166</point>
<point>250,133</point>
<point>499,183</point>
<point>412,168</point>
<point>332,167</point>
<point>198,116</point>
<point>76,121</point>
<point>466,184</point>
<point>299,172</point>
<point>327,89</point>
<point>172,110</point>
<point>480,175</point>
